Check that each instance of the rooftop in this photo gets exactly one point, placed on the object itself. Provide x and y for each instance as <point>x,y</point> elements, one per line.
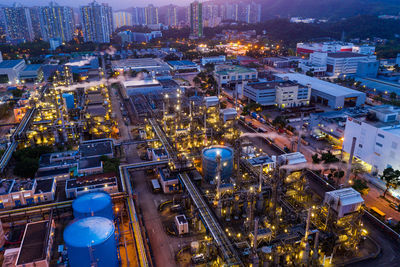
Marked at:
<point>271,85</point>
<point>345,55</point>
<point>5,186</point>
<point>320,85</point>
<point>139,63</point>
<point>98,183</point>
<point>346,196</point>
<point>96,110</point>
<point>32,67</point>
<point>87,163</point>
<point>34,243</point>
<point>22,185</point>
<point>234,69</point>
<point>44,185</point>
<point>181,63</point>
<point>9,64</point>
<point>181,219</point>
<point>96,148</point>
<point>260,160</point>
<point>141,83</point>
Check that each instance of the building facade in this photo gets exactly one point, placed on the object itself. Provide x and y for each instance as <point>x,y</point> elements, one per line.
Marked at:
<point>18,24</point>
<point>151,15</point>
<point>196,19</point>
<point>56,22</point>
<point>378,142</point>
<point>122,18</point>
<point>97,22</point>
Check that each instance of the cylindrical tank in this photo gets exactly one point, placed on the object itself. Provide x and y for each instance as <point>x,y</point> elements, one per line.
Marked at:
<point>91,242</point>
<point>209,162</point>
<point>93,204</point>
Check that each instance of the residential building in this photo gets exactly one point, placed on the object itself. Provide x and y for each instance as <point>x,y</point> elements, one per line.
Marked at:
<point>171,16</point>
<point>151,15</point>
<point>196,20</point>
<point>326,93</point>
<point>56,22</point>
<point>250,12</point>
<point>18,24</point>
<point>377,140</point>
<point>139,16</point>
<point>122,18</point>
<point>97,22</point>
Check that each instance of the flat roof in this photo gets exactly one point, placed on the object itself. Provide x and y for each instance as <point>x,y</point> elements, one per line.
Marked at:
<point>181,219</point>
<point>96,110</point>
<point>380,85</point>
<point>44,185</point>
<point>22,185</point>
<point>320,85</point>
<point>141,83</point>
<point>139,63</point>
<point>271,84</point>
<point>96,148</point>
<point>181,63</point>
<point>345,55</point>
<point>9,64</point>
<point>234,69</point>
<point>87,163</point>
<point>34,244</point>
<point>32,67</point>
<point>260,160</point>
<point>76,183</point>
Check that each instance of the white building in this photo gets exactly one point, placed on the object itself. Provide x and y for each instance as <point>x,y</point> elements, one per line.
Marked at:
<point>213,60</point>
<point>10,70</point>
<point>228,114</point>
<point>182,224</point>
<point>326,93</point>
<point>326,47</point>
<point>226,74</point>
<point>368,50</point>
<point>283,93</point>
<point>377,143</point>
<point>344,201</point>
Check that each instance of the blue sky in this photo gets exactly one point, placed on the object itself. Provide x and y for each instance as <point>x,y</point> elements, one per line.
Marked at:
<point>116,4</point>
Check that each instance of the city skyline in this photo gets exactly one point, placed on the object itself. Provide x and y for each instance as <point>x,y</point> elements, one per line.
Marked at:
<point>115,5</point>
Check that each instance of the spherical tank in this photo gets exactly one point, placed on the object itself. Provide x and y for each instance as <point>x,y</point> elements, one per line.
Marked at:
<point>91,242</point>
<point>93,204</point>
<point>209,162</point>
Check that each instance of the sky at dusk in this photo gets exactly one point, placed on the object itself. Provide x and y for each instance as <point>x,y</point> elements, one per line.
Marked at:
<point>116,4</point>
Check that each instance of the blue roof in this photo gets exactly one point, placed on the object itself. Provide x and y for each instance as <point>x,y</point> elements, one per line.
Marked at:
<point>181,63</point>
<point>32,67</point>
<point>380,85</point>
<point>91,202</point>
<point>8,64</point>
<point>88,232</point>
<point>213,151</point>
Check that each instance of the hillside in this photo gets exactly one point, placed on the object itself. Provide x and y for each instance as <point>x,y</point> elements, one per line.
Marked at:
<point>329,9</point>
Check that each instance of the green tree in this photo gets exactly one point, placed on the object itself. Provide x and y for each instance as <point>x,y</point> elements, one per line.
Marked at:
<point>315,158</point>
<point>391,178</point>
<point>357,169</point>
<point>393,95</point>
<point>361,186</point>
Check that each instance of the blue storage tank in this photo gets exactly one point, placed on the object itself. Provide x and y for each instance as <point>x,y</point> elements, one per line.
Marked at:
<point>93,204</point>
<point>209,162</point>
<point>91,242</point>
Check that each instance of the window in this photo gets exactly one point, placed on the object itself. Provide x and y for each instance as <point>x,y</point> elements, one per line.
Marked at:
<point>360,145</point>
<point>379,144</point>
<point>381,136</point>
<point>394,145</point>
<point>392,154</point>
